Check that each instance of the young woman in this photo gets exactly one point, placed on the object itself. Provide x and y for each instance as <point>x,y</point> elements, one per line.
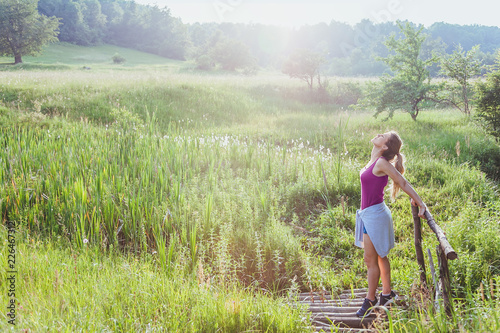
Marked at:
<point>374,227</point>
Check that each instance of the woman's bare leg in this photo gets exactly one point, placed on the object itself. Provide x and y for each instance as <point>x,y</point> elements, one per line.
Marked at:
<point>371,261</point>
<point>385,274</point>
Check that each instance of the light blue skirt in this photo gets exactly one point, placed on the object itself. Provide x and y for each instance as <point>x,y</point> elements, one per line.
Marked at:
<point>377,221</point>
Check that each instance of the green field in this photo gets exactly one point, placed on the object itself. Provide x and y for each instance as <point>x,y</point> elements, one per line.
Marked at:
<point>62,56</point>
<point>156,198</point>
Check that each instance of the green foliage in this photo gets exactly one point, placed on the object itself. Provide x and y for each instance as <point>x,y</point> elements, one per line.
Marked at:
<point>488,101</point>
<point>128,293</point>
<point>461,67</point>
<point>65,56</point>
<point>23,31</point>
<point>473,234</point>
<point>346,93</point>
<point>204,62</point>
<point>410,85</point>
<point>350,50</point>
<point>219,192</point>
<point>118,59</point>
<point>231,54</point>
<point>33,67</point>
<point>124,23</point>
<point>304,64</point>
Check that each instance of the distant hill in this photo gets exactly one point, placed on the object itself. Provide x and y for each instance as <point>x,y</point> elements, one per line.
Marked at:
<point>61,54</point>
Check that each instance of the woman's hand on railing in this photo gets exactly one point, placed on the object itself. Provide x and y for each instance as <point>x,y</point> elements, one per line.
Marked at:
<point>421,208</point>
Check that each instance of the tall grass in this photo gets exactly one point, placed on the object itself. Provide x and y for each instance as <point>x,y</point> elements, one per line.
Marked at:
<point>66,290</point>
<point>218,186</point>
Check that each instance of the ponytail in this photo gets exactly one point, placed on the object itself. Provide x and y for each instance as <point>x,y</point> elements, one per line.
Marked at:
<point>399,165</point>
<point>393,155</point>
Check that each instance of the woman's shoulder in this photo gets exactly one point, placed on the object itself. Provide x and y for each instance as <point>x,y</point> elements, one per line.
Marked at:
<point>382,165</point>
<point>382,161</point>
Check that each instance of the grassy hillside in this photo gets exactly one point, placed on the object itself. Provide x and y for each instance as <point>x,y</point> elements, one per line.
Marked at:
<point>66,56</point>
<point>219,195</point>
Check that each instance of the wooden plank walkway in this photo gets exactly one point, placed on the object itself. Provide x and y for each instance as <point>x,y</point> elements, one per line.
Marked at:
<point>338,313</point>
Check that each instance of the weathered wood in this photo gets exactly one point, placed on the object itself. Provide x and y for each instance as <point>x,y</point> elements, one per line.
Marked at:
<point>336,309</point>
<point>331,315</point>
<point>346,294</point>
<point>417,230</point>
<point>444,277</point>
<point>361,290</point>
<point>433,273</point>
<point>443,241</point>
<point>338,313</point>
<point>319,298</point>
<point>346,321</point>
<point>334,302</point>
<point>328,328</point>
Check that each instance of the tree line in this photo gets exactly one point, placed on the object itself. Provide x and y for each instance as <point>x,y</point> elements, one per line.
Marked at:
<point>119,22</point>
<point>347,50</point>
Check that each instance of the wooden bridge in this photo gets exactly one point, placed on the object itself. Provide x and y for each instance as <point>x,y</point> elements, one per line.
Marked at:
<point>337,313</point>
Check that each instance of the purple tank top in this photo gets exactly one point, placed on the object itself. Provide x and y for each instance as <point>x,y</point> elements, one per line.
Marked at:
<point>372,187</point>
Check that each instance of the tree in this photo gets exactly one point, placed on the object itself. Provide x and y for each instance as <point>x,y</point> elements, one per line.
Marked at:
<point>488,101</point>
<point>461,66</point>
<point>410,84</point>
<point>147,28</point>
<point>95,21</point>
<point>23,31</point>
<point>231,54</point>
<point>304,64</point>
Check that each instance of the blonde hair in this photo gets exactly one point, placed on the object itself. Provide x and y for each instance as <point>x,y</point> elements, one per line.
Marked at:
<point>393,155</point>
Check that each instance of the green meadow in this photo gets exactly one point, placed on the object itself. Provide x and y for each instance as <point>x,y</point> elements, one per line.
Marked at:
<point>157,198</point>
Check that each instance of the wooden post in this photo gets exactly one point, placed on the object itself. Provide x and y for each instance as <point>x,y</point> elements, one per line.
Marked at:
<point>448,250</point>
<point>436,285</point>
<point>417,227</point>
<point>444,277</point>
<point>444,253</point>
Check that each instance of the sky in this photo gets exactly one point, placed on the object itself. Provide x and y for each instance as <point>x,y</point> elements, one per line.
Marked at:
<point>296,13</point>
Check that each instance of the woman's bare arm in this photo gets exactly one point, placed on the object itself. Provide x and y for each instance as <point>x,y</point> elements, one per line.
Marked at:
<point>383,166</point>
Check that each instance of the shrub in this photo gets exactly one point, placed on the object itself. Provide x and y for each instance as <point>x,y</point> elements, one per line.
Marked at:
<point>118,59</point>
<point>346,93</point>
<point>231,54</point>
<point>3,110</point>
<point>488,103</point>
<point>204,62</point>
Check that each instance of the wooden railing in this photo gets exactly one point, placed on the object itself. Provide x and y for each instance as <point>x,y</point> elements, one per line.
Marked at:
<point>444,253</point>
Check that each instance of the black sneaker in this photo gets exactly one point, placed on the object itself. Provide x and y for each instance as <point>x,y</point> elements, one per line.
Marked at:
<point>387,300</point>
<point>366,308</point>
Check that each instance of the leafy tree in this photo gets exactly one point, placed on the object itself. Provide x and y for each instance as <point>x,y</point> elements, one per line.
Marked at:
<point>23,31</point>
<point>304,64</point>
<point>149,29</point>
<point>95,21</point>
<point>231,54</point>
<point>83,23</point>
<point>467,35</point>
<point>112,11</point>
<point>461,67</point>
<point>73,29</point>
<point>488,102</point>
<point>410,85</point>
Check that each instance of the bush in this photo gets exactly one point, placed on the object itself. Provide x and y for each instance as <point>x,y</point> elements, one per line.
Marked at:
<point>204,62</point>
<point>231,54</point>
<point>488,101</point>
<point>346,93</point>
<point>118,59</point>
<point>3,110</point>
